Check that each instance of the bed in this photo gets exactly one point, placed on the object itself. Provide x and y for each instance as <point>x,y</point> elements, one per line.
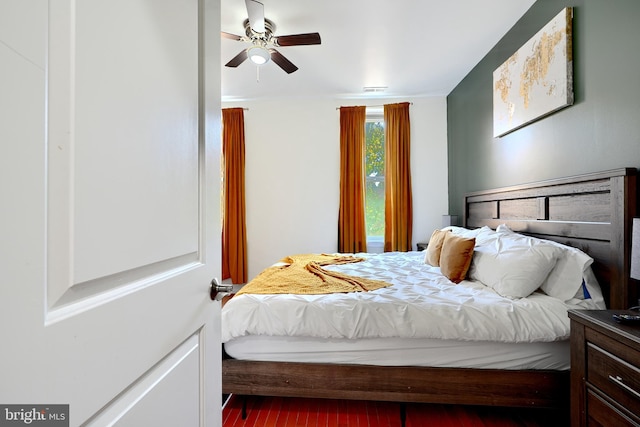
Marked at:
<point>590,212</point>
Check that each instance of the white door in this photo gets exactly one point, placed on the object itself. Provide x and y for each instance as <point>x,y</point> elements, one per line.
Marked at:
<point>109,210</point>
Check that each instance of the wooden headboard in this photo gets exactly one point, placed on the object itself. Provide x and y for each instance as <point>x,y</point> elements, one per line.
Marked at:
<point>591,212</point>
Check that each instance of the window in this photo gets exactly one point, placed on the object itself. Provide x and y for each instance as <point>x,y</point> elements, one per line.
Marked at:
<point>374,173</point>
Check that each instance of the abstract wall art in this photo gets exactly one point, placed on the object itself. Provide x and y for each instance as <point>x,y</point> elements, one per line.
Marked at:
<point>537,80</point>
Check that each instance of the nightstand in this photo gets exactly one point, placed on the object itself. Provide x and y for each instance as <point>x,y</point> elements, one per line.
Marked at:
<point>422,246</point>
<point>605,369</point>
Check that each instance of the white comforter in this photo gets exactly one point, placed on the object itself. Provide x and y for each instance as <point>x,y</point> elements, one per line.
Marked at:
<point>421,304</point>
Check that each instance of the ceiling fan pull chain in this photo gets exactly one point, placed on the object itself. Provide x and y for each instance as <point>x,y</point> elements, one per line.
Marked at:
<point>257,73</point>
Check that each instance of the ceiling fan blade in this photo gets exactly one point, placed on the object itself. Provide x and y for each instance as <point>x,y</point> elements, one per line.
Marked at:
<point>255,10</point>
<point>282,62</point>
<point>237,60</point>
<point>230,36</point>
<point>298,39</point>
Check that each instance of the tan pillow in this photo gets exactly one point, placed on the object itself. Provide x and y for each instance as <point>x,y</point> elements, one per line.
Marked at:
<point>432,256</point>
<point>455,257</point>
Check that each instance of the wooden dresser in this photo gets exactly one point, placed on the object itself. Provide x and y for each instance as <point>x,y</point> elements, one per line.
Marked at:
<point>605,369</point>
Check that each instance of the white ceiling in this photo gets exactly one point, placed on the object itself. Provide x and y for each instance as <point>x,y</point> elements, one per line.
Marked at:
<point>413,47</point>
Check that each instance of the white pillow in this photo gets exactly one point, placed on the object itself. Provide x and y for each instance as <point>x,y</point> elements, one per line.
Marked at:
<point>514,265</point>
<point>467,233</point>
<point>565,280</point>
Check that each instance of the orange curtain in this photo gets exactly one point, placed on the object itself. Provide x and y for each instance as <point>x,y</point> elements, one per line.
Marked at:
<point>234,233</point>
<point>398,209</point>
<point>352,234</point>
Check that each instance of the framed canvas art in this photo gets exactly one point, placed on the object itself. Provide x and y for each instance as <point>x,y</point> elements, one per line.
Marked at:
<point>536,80</point>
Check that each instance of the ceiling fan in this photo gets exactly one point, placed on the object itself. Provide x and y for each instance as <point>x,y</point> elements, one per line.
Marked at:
<point>259,31</point>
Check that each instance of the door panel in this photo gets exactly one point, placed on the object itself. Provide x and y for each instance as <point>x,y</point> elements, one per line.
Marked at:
<point>121,170</point>
<point>111,230</point>
<point>150,400</point>
<point>159,64</point>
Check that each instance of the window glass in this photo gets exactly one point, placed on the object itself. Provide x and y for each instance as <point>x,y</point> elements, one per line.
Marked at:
<point>374,173</point>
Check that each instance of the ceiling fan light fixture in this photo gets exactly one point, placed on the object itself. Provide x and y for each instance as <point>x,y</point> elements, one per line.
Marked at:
<point>258,55</point>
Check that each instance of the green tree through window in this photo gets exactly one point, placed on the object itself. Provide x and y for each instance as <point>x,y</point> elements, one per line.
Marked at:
<point>374,172</point>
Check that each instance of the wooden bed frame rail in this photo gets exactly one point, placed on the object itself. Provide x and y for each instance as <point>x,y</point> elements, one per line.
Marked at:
<point>592,212</point>
<point>487,387</point>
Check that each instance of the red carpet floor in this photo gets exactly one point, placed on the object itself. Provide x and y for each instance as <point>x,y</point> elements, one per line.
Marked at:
<point>285,412</point>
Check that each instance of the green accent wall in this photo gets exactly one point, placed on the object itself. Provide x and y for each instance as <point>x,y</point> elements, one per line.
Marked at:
<point>601,131</point>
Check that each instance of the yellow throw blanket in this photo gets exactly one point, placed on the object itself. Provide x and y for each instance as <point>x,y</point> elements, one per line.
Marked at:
<point>303,274</point>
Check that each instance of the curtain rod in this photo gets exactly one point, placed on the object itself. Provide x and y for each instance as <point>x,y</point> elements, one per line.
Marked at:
<point>376,106</point>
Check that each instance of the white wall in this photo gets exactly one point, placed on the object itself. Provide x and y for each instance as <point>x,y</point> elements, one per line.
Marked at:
<point>292,173</point>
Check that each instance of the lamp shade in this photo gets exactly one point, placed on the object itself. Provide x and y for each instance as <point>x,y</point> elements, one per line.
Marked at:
<point>635,249</point>
<point>258,55</point>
